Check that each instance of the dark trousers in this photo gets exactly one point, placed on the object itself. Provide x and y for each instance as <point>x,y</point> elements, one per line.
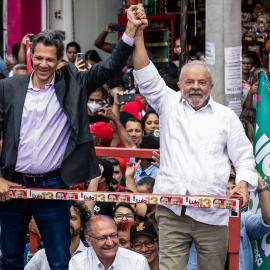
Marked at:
<point>53,221</point>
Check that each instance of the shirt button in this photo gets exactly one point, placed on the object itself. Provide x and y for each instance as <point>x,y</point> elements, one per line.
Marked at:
<point>36,133</point>
<point>34,163</point>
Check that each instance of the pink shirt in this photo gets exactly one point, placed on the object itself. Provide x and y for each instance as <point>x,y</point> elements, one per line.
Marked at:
<point>44,131</point>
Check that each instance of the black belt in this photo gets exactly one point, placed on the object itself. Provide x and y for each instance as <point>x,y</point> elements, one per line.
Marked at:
<point>33,178</point>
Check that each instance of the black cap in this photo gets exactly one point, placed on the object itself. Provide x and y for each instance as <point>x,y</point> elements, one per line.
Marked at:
<point>145,228</point>
<point>108,171</point>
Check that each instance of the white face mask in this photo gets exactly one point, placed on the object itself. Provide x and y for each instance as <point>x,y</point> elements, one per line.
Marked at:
<point>93,106</point>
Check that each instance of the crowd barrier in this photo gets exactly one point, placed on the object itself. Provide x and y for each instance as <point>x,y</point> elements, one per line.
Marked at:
<point>171,199</point>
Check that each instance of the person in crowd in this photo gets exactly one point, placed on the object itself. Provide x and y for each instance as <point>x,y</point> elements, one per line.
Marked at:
<point>104,251</point>
<point>92,57</point>
<point>247,71</point>
<point>80,215</point>
<point>19,69</point>
<point>177,50</point>
<point>144,240</point>
<point>150,122</point>
<point>249,114</point>
<point>95,101</point>
<point>146,185</point>
<point>123,212</point>
<point>133,127</point>
<point>217,203</point>
<point>117,174</point>
<point>72,49</point>
<point>197,133</point>
<point>12,60</point>
<point>249,98</point>
<point>146,169</point>
<point>63,119</point>
<point>249,130</point>
<point>123,228</point>
<point>102,133</point>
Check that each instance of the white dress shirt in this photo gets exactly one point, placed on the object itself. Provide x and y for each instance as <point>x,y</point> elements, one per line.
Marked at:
<point>40,262</point>
<point>124,259</point>
<point>196,147</point>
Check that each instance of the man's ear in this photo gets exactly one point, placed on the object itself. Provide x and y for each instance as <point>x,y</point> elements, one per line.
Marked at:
<point>179,85</point>
<point>88,239</point>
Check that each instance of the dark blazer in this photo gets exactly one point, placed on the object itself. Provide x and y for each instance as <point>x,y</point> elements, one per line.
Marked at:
<point>72,89</point>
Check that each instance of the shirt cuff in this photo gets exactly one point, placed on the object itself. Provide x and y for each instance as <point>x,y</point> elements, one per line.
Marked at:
<point>128,40</point>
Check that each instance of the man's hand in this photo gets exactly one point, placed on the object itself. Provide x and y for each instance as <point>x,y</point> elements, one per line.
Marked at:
<point>80,65</point>
<point>106,113</point>
<point>254,88</point>
<point>156,158</point>
<point>4,188</point>
<point>131,169</point>
<point>115,100</point>
<point>136,18</point>
<point>242,189</point>
<point>27,36</point>
<point>108,29</point>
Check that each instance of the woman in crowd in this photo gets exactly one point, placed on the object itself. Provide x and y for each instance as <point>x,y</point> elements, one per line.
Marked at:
<point>92,57</point>
<point>124,212</point>
<point>150,121</point>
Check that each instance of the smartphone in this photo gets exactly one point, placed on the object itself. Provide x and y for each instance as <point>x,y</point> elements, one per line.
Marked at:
<point>81,56</point>
<point>126,98</point>
<point>118,28</point>
<point>32,38</point>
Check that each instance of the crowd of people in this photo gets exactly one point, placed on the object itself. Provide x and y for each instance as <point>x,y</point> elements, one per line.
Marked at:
<point>53,118</point>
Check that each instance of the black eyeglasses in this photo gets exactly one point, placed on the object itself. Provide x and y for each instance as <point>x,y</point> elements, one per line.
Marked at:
<point>178,46</point>
<point>104,238</point>
<point>121,215</point>
<point>247,63</point>
<point>138,245</point>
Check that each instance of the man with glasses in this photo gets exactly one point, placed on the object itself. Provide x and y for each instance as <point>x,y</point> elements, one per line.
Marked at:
<point>104,251</point>
<point>144,240</point>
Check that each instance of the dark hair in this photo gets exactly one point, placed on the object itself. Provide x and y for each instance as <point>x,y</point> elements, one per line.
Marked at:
<point>149,142</point>
<point>133,119</point>
<point>85,214</point>
<point>15,50</point>
<point>249,130</point>
<point>249,114</point>
<point>92,55</point>
<point>200,54</point>
<point>255,58</point>
<point>126,205</point>
<point>74,44</point>
<point>114,161</point>
<point>145,117</point>
<point>49,38</point>
<point>147,181</point>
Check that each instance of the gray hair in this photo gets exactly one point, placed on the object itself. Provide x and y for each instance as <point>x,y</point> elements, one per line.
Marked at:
<point>17,67</point>
<point>202,64</point>
<point>49,38</point>
<point>88,227</point>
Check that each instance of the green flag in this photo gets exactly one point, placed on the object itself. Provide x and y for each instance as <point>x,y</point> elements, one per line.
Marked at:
<point>261,247</point>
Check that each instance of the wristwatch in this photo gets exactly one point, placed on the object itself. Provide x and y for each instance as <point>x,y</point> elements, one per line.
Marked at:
<point>265,187</point>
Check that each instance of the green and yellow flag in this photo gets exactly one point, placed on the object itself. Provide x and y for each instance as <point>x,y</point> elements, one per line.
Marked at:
<point>261,247</point>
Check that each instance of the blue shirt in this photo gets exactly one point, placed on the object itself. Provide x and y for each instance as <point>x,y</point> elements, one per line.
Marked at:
<point>151,171</point>
<point>252,228</point>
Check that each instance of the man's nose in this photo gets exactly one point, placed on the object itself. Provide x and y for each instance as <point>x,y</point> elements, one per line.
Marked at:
<point>109,241</point>
<point>196,85</point>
